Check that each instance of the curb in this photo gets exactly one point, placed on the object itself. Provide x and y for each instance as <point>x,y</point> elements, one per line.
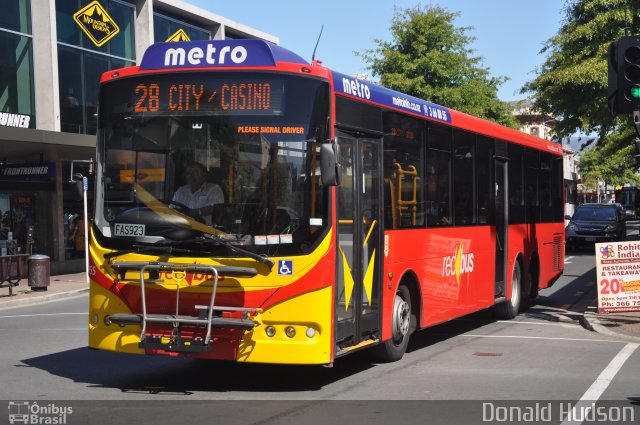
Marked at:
<point>23,302</point>
<point>592,322</point>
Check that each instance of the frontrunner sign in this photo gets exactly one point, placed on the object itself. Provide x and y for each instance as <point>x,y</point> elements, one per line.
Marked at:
<point>618,268</point>
<point>14,120</point>
<point>45,171</point>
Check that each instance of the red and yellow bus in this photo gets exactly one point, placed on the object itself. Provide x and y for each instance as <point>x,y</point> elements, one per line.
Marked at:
<point>348,215</point>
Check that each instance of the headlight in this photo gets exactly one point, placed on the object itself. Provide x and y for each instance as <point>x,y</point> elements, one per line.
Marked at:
<point>573,227</point>
<point>610,228</point>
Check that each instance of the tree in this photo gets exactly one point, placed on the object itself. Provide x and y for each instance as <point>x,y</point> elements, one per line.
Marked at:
<point>428,57</point>
<point>609,162</point>
<point>572,84</point>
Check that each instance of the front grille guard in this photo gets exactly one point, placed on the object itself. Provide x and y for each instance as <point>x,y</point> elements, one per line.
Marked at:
<point>206,318</point>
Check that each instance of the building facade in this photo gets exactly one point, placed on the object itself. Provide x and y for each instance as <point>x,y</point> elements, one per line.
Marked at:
<point>531,121</point>
<point>49,97</point>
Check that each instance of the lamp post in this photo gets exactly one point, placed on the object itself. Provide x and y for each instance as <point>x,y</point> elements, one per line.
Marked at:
<point>82,185</point>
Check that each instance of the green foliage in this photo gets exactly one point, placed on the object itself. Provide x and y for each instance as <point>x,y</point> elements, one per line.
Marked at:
<point>428,57</point>
<point>572,84</point>
<point>610,162</point>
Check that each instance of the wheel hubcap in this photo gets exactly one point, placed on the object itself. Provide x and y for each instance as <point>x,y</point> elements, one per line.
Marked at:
<point>401,318</point>
<point>515,288</point>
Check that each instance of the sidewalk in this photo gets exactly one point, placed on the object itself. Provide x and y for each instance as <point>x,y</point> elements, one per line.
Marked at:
<point>623,325</point>
<point>60,286</point>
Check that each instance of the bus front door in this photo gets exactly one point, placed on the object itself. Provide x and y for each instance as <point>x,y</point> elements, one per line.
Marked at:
<point>357,304</point>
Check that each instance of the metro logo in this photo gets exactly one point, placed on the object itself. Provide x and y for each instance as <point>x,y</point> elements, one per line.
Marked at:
<point>197,56</point>
<point>216,53</point>
<point>355,88</point>
<point>458,264</point>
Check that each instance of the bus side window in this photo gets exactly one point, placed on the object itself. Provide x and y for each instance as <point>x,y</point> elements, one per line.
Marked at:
<point>403,171</point>
<point>437,176</point>
<point>463,173</point>
<point>516,184</point>
<point>483,179</point>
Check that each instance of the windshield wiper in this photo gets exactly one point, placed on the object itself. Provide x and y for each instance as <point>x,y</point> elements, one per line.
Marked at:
<point>208,239</point>
<point>144,249</point>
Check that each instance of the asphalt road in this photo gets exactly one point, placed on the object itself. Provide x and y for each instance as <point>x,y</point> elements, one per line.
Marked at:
<point>544,354</point>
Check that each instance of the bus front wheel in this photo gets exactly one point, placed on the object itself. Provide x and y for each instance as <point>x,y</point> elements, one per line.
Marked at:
<point>403,323</point>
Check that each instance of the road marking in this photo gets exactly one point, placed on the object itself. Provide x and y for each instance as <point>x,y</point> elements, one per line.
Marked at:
<point>587,401</point>
<point>43,314</point>
<point>47,329</point>
<point>538,337</point>
<point>567,260</point>
<point>522,322</point>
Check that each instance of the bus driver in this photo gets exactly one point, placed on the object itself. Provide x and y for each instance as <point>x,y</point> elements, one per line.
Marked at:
<point>198,195</point>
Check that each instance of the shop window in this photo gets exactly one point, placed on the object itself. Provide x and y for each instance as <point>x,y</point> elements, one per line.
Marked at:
<point>16,16</point>
<point>164,27</point>
<point>80,69</point>
<point>16,67</point>
<point>16,77</point>
<point>535,131</point>
<point>26,218</point>
<point>79,72</point>
<point>73,212</point>
<point>121,45</point>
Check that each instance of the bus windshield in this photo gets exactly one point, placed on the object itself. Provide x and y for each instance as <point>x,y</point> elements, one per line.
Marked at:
<point>189,156</point>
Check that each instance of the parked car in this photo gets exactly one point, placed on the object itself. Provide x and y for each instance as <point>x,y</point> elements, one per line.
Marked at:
<point>630,211</point>
<point>596,223</point>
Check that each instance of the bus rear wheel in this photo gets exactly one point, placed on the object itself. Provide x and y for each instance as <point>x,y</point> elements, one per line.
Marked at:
<point>508,309</point>
<point>402,324</point>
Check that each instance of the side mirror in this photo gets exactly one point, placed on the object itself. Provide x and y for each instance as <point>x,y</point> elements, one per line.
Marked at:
<point>330,165</point>
<point>78,188</point>
<point>567,217</point>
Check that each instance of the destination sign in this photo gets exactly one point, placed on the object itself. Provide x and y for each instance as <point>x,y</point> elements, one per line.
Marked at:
<point>233,96</point>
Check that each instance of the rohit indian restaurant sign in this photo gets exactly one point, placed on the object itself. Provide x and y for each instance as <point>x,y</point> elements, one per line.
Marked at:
<point>618,269</point>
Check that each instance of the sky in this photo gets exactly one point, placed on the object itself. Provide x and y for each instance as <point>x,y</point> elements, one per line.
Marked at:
<point>509,33</point>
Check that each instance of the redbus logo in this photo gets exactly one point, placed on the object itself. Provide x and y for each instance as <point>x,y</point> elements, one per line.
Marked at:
<point>190,278</point>
<point>458,264</point>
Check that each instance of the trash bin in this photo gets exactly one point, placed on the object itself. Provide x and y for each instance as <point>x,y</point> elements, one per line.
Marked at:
<point>39,270</point>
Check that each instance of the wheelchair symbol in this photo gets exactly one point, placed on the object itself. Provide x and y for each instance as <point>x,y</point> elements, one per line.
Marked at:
<point>285,267</point>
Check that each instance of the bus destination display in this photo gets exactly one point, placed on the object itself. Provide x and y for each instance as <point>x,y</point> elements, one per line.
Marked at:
<point>234,97</point>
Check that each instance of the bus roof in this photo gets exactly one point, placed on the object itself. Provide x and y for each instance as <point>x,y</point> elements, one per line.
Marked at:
<point>253,53</point>
<point>216,54</point>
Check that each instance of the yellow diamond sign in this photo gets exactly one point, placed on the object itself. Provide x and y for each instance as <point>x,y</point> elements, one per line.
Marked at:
<point>179,35</point>
<point>96,23</point>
